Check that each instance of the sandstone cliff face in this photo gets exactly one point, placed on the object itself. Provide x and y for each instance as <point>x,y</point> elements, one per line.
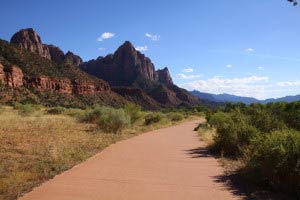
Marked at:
<point>164,76</point>
<point>72,59</point>
<point>12,77</point>
<point>57,55</point>
<point>66,86</point>
<point>85,87</point>
<point>29,40</point>
<point>2,75</point>
<point>41,83</point>
<point>123,67</point>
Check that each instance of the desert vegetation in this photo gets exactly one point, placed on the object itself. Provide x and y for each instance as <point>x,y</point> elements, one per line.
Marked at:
<point>266,138</point>
<point>40,142</point>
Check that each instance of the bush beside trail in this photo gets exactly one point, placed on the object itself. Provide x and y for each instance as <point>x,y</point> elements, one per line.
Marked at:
<point>265,137</point>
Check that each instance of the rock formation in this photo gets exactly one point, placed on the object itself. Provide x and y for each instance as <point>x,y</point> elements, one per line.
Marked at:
<point>29,40</point>
<point>164,76</point>
<point>2,75</point>
<point>123,67</point>
<point>11,76</point>
<point>72,59</point>
<point>57,55</point>
<point>66,86</point>
<point>127,67</point>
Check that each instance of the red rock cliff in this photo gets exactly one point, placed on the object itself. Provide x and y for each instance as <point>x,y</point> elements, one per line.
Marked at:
<point>123,67</point>
<point>29,40</point>
<point>12,77</point>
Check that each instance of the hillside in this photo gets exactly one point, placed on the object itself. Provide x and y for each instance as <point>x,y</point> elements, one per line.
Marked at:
<point>26,76</point>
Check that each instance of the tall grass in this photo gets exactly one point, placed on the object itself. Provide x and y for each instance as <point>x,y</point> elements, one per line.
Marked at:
<point>34,148</point>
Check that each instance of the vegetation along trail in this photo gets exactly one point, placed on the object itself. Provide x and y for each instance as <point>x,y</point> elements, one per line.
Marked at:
<point>169,163</point>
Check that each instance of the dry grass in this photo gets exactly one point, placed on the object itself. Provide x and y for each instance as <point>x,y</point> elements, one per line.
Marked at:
<point>34,148</point>
<point>37,146</point>
<point>207,135</point>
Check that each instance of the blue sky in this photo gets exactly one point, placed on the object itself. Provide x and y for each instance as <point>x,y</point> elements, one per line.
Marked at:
<point>242,47</point>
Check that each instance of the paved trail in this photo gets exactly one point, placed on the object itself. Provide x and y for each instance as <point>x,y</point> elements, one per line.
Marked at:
<point>166,164</point>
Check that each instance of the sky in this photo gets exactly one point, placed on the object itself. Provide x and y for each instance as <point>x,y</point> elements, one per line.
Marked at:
<point>241,47</point>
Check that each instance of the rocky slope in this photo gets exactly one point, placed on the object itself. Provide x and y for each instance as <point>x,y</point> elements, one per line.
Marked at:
<point>128,67</point>
<point>29,40</point>
<point>27,76</point>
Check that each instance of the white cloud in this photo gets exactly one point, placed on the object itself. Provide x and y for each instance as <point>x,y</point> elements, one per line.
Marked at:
<point>142,48</point>
<point>229,66</point>
<point>188,70</point>
<point>101,49</point>
<point>184,76</point>
<point>249,50</point>
<point>105,35</point>
<point>261,68</point>
<point>152,36</point>
<point>252,86</point>
<point>288,83</point>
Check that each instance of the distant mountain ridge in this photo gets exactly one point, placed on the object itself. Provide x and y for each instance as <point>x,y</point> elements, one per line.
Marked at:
<point>222,98</point>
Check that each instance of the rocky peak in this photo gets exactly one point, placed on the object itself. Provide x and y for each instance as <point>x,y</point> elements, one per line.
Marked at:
<point>126,54</point>
<point>57,55</point>
<point>72,59</point>
<point>29,40</point>
<point>134,63</point>
<point>123,67</point>
<point>164,76</point>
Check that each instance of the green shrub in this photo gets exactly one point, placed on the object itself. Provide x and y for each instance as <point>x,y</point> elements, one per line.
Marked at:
<point>153,118</point>
<point>115,120</point>
<point>134,111</point>
<point>275,159</point>
<point>91,116</point>
<point>26,109</point>
<point>234,133</point>
<point>56,110</point>
<point>107,118</point>
<point>175,116</point>
<point>267,138</point>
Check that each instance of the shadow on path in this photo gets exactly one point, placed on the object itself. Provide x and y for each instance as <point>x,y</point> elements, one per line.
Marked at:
<point>200,152</point>
<point>236,184</point>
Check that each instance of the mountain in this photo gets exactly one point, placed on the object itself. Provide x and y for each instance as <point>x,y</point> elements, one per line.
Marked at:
<point>127,68</point>
<point>222,98</point>
<point>33,72</point>
<point>286,99</point>
<point>29,40</point>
